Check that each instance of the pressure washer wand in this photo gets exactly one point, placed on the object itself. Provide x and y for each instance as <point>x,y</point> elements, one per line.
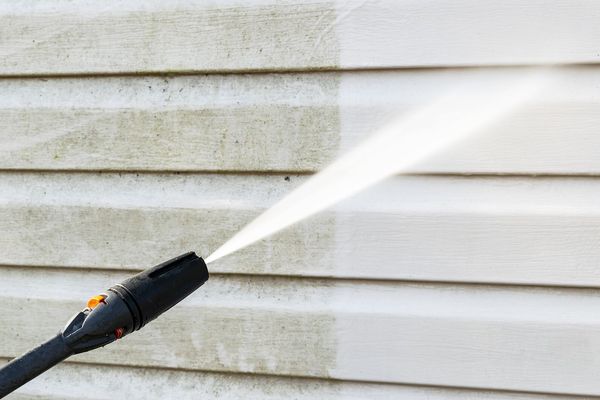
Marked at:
<point>124,308</point>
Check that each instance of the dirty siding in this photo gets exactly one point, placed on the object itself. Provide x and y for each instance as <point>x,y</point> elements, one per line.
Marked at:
<point>133,131</point>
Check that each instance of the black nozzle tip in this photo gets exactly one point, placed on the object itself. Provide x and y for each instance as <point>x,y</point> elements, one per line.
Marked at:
<point>155,290</point>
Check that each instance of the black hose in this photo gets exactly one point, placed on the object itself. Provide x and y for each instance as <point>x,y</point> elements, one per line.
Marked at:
<point>23,369</point>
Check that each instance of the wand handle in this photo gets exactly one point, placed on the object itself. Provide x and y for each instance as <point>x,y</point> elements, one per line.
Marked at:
<point>31,364</point>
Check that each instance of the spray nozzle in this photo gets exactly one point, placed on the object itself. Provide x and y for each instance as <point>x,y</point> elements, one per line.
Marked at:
<point>131,304</point>
<point>124,308</point>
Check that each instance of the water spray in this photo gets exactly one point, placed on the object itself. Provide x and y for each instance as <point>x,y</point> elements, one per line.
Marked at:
<point>124,308</point>
<point>396,148</point>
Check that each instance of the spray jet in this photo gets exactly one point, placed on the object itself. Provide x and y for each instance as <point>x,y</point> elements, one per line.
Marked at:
<point>124,308</point>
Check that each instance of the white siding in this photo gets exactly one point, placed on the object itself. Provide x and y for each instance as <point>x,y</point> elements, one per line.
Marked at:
<point>473,278</point>
<point>475,336</point>
<point>284,122</point>
<point>434,228</point>
<point>75,37</point>
<point>86,381</point>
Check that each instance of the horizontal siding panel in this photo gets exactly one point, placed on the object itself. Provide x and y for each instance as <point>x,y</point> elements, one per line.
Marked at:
<point>286,122</point>
<point>100,382</point>
<point>521,339</point>
<point>84,37</point>
<point>477,229</point>
<point>248,122</point>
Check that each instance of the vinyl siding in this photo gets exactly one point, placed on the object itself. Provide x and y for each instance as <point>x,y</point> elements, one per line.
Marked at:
<point>133,131</point>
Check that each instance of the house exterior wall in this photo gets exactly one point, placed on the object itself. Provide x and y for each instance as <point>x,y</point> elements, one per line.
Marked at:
<point>132,131</point>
